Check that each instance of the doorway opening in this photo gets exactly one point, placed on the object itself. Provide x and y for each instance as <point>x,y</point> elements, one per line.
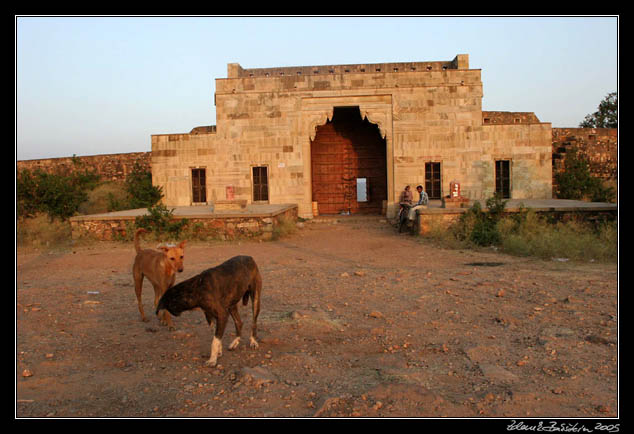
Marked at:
<point>349,166</point>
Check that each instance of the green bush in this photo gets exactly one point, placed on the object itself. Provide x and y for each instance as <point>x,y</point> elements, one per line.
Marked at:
<point>576,181</point>
<point>57,195</point>
<point>534,235</point>
<point>141,192</point>
<point>161,222</point>
<point>479,227</point>
<point>527,233</point>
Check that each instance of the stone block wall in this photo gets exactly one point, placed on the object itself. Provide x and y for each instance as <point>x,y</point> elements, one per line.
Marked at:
<point>598,145</point>
<point>230,227</point>
<point>111,167</point>
<point>426,111</point>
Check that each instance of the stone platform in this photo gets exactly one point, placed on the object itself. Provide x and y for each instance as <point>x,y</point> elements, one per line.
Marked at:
<point>436,214</point>
<point>251,221</point>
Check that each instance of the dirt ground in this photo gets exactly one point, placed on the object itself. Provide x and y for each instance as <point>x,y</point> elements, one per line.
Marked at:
<point>356,321</point>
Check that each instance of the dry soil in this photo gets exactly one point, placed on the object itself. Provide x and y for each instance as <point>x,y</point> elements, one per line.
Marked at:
<point>356,321</point>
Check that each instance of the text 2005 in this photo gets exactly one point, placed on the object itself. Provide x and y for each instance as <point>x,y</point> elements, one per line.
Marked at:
<point>607,428</point>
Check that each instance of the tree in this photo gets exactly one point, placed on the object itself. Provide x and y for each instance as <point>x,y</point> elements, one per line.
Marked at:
<point>141,192</point>
<point>606,116</point>
<point>576,181</point>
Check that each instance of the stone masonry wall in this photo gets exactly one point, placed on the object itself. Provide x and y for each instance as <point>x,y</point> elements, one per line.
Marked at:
<point>216,227</point>
<point>111,167</point>
<point>598,145</point>
<point>427,112</point>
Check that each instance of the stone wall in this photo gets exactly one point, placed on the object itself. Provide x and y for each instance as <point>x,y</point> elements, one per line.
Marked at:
<point>598,145</point>
<point>111,167</point>
<point>226,227</point>
<point>426,111</point>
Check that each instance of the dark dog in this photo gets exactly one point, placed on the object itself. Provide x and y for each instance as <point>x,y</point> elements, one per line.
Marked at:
<point>217,291</point>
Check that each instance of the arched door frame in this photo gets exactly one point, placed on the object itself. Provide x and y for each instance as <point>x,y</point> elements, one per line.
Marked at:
<point>316,111</point>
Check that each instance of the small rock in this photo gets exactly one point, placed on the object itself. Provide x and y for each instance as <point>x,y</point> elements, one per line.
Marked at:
<point>375,314</point>
<point>258,375</point>
<point>359,273</point>
<point>500,293</point>
<point>594,339</point>
<point>344,274</point>
<point>27,373</point>
<point>296,314</point>
<point>497,374</point>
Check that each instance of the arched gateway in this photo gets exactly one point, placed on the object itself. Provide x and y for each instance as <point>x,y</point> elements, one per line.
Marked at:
<point>349,165</point>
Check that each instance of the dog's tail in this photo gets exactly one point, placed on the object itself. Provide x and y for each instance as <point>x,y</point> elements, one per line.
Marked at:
<point>137,245</point>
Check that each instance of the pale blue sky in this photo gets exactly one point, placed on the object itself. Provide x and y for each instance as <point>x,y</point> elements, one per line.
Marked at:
<point>102,85</point>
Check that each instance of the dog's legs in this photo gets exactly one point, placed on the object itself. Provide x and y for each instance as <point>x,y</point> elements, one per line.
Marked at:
<point>255,300</point>
<point>216,343</point>
<point>238,323</point>
<point>138,287</point>
<point>165,317</point>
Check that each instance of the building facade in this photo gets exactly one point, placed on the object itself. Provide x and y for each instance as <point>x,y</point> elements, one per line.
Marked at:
<point>348,138</point>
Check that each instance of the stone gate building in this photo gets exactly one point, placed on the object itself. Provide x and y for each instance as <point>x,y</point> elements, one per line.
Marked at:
<point>350,137</point>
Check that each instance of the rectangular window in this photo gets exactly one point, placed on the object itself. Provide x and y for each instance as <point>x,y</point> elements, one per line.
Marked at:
<point>433,180</point>
<point>260,184</point>
<point>199,186</point>
<point>503,178</point>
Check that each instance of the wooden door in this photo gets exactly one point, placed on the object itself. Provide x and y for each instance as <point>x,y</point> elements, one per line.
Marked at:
<point>345,149</point>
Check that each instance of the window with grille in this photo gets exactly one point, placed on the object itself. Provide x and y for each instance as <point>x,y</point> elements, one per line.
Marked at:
<point>503,178</point>
<point>432,180</point>
<point>260,184</point>
<point>199,186</point>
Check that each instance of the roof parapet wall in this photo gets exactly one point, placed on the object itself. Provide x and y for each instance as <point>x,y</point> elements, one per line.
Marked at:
<point>461,61</point>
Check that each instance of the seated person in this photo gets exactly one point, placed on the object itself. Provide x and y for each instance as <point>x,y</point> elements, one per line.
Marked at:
<point>423,200</point>
<point>406,198</point>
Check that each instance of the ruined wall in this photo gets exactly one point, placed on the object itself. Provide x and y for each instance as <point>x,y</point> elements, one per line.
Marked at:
<point>111,167</point>
<point>598,145</point>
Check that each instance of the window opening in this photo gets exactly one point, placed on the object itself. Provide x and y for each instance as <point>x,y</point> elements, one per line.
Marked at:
<point>433,180</point>
<point>260,184</point>
<point>503,178</point>
<point>199,186</point>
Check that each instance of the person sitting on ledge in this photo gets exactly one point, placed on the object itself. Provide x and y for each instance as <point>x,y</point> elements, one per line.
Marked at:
<point>423,200</point>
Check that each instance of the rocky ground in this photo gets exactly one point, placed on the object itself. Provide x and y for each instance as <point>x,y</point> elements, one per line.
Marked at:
<point>356,321</point>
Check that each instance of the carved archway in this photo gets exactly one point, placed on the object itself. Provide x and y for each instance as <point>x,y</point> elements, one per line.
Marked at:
<point>374,115</point>
<point>316,111</point>
<point>349,165</point>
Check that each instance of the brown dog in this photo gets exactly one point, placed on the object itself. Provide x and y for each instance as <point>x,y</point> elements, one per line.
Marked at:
<point>160,267</point>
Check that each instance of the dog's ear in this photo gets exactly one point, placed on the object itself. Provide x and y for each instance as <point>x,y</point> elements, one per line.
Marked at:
<point>182,244</point>
<point>164,248</point>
